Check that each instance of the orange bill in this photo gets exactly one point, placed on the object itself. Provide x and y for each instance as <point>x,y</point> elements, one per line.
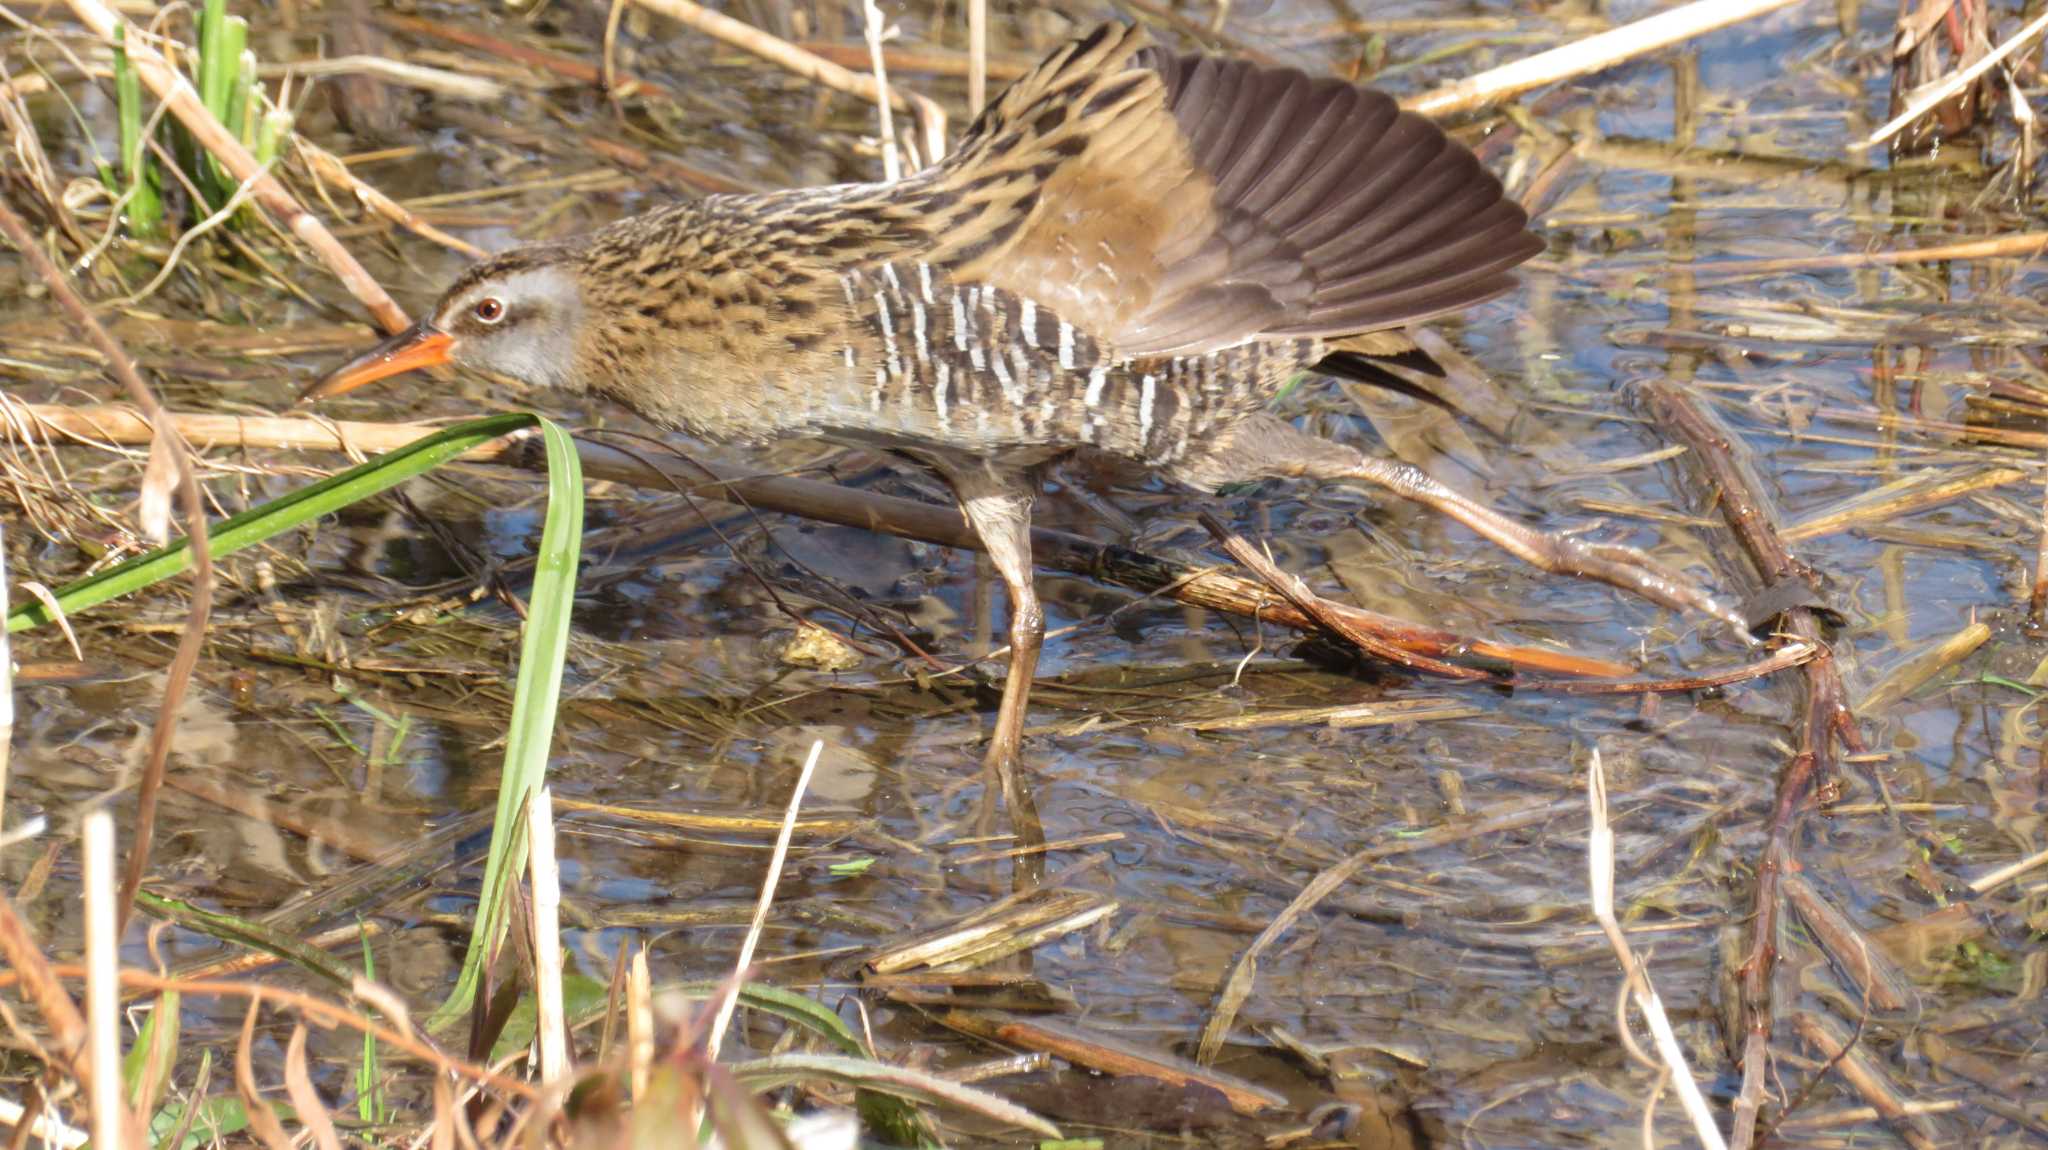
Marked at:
<point>421,345</point>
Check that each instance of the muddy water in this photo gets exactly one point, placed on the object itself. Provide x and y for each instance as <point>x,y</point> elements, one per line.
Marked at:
<point>1462,986</point>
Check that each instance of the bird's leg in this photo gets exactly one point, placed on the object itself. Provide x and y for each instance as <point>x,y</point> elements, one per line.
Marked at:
<point>1265,446</point>
<point>997,504</point>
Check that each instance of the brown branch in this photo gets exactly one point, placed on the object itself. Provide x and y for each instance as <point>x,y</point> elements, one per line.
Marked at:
<point>165,436</point>
<point>1828,718</point>
<point>172,88</point>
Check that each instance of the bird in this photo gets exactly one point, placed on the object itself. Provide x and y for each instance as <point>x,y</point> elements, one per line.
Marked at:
<point>1129,254</point>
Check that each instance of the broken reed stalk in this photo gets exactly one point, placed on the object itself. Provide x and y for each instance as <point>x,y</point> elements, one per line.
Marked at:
<point>931,118</point>
<point>1828,718</point>
<point>175,91</point>
<point>164,437</point>
<point>1600,877</point>
<point>111,1126</point>
<point>551,1023</point>
<point>639,1024</point>
<point>729,999</point>
<point>826,502</point>
<point>1591,54</point>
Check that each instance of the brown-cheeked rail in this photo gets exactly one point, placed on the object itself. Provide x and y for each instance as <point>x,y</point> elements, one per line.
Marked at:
<point>1129,253</point>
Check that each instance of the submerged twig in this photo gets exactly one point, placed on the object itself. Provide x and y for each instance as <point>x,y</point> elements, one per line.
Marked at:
<point>1828,719</point>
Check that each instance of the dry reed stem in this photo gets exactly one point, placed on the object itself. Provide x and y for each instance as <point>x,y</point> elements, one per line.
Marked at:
<point>930,117</point>
<point>1296,591</point>
<point>6,685</point>
<point>639,1024</point>
<point>551,1022</point>
<point>1876,976</point>
<point>977,56</point>
<point>729,1001</point>
<point>326,165</point>
<point>1848,1057</point>
<point>164,437</point>
<point>1600,874</point>
<point>1591,54</point>
<point>825,502</point>
<point>298,1086</point>
<point>1109,1055</point>
<point>112,1126</point>
<point>173,89</point>
<point>439,81</point>
<point>1953,83</point>
<point>1984,884</point>
<point>1922,666</point>
<point>2022,245</point>
<point>873,27</point>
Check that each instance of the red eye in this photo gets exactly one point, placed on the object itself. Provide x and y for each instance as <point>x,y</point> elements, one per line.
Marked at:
<point>490,309</point>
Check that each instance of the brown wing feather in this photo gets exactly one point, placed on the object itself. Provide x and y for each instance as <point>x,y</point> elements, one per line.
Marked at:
<point>1198,202</point>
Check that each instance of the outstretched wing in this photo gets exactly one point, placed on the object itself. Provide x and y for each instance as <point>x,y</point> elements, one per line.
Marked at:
<point>1177,205</point>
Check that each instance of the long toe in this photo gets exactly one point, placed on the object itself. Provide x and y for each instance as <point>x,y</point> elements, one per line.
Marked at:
<point>1631,570</point>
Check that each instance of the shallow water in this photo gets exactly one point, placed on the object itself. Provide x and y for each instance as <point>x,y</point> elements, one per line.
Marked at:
<point>1465,981</point>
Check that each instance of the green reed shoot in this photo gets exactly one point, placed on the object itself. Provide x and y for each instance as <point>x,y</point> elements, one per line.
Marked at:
<point>224,73</point>
<point>139,176</point>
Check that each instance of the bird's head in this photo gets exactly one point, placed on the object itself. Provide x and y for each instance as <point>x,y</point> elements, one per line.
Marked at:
<point>518,314</point>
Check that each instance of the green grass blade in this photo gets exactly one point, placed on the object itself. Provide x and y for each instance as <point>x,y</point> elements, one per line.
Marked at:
<point>276,517</point>
<point>216,74</point>
<point>231,928</point>
<point>543,653</point>
<point>369,1075</point>
<point>155,1049</point>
